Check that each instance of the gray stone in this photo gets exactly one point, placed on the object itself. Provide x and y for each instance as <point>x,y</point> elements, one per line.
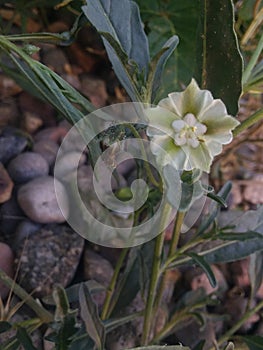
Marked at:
<point>27,166</point>
<point>11,146</point>
<point>38,200</point>
<point>50,256</point>
<point>24,230</point>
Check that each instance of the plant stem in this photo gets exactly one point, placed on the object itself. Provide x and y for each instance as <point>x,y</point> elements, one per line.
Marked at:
<point>172,248</point>
<point>42,313</point>
<point>239,323</point>
<point>251,120</point>
<point>159,240</point>
<point>144,155</point>
<point>106,307</point>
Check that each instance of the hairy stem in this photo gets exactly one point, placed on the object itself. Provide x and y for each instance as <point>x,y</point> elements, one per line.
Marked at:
<point>158,250</point>
<point>172,248</point>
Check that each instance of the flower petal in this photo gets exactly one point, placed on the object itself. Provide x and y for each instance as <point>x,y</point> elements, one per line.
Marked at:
<point>191,100</point>
<point>160,121</point>
<point>199,158</point>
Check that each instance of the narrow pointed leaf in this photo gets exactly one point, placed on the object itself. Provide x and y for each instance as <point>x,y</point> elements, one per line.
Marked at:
<point>90,316</point>
<point>200,261</point>
<point>167,50</point>
<point>254,342</point>
<point>25,339</point>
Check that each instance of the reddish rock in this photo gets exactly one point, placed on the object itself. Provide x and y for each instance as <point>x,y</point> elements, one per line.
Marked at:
<point>6,185</point>
<point>6,264</point>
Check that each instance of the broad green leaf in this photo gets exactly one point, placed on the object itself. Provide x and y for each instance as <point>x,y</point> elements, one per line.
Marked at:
<point>221,60</point>
<point>90,316</point>
<point>25,339</point>
<point>207,50</point>
<point>254,342</point>
<point>200,261</point>
<point>121,21</point>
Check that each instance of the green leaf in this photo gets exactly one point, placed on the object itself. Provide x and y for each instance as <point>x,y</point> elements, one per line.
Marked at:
<point>217,199</point>
<point>90,316</point>
<point>208,48</point>
<point>162,347</point>
<point>200,345</point>
<point>159,61</point>
<point>25,339</point>
<point>4,326</point>
<point>214,208</point>
<point>129,284</point>
<point>238,236</point>
<point>121,20</point>
<point>255,271</point>
<point>201,261</point>
<point>73,292</point>
<point>221,60</point>
<point>254,342</point>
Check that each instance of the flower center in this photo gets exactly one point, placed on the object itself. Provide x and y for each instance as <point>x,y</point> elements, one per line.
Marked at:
<point>188,131</point>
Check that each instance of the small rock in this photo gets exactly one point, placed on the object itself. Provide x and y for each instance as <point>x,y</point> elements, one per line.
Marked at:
<point>253,192</point>
<point>198,279</point>
<point>122,338</point>
<point>31,122</point>
<point>55,59</point>
<point>6,264</point>
<point>11,146</point>
<point>47,149</point>
<point>6,185</point>
<point>94,89</point>
<point>8,112</point>
<point>27,166</point>
<point>8,87</point>
<point>38,200</point>
<point>68,163</point>
<point>29,103</point>
<point>10,216</point>
<point>97,268</point>
<point>25,229</point>
<point>50,256</point>
<point>55,134</point>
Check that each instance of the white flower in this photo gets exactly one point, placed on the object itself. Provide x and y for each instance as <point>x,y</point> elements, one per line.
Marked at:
<point>191,127</point>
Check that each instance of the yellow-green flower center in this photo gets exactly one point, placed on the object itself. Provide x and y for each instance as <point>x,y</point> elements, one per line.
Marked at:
<point>188,131</point>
